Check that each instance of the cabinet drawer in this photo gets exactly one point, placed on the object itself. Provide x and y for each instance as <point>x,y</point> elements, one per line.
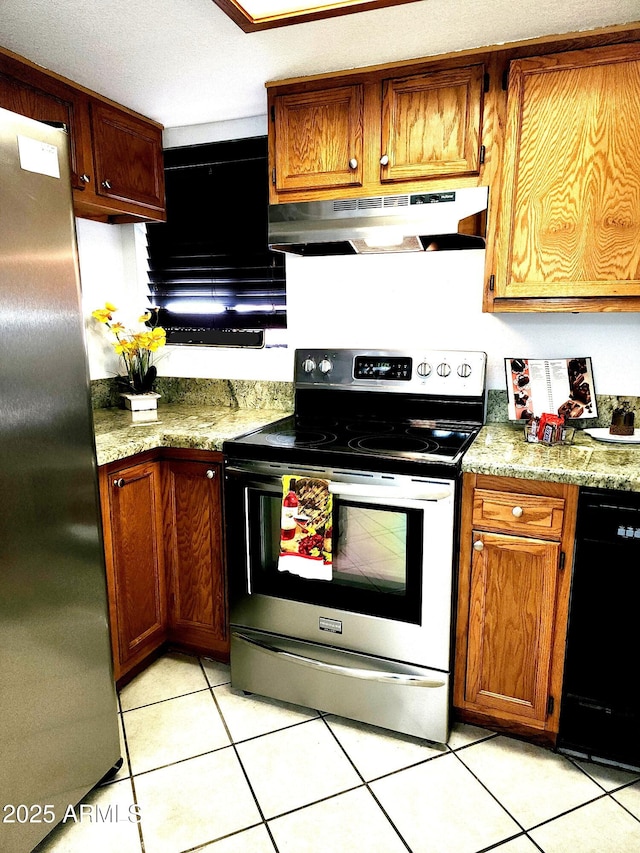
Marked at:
<point>533,515</point>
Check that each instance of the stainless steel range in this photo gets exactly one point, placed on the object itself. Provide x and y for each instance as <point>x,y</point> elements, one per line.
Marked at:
<point>369,636</point>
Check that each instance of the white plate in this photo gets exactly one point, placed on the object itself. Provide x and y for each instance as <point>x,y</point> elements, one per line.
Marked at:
<point>603,434</point>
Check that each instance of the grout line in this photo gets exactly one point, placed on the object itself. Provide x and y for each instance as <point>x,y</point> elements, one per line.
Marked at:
<point>622,805</point>
<point>367,786</point>
<point>242,767</point>
<point>490,792</point>
<point>167,699</point>
<point>133,787</point>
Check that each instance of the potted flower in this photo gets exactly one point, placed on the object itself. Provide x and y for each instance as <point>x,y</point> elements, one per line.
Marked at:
<point>136,349</point>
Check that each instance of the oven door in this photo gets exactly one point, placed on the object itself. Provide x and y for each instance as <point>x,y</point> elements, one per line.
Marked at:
<point>390,590</point>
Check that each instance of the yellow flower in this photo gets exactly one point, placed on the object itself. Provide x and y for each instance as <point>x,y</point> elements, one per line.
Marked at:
<point>135,348</point>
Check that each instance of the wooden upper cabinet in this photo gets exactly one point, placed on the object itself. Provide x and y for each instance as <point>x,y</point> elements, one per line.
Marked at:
<point>117,171</point>
<point>569,223</point>
<point>128,157</point>
<point>319,141</point>
<point>431,125</point>
<point>375,133</point>
<point>21,93</point>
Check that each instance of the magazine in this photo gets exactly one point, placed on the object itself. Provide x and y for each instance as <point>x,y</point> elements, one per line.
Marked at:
<point>560,386</point>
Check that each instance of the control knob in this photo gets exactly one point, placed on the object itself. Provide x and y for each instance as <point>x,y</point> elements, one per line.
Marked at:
<point>308,365</point>
<point>443,369</point>
<point>325,366</point>
<point>424,368</point>
<point>464,370</point>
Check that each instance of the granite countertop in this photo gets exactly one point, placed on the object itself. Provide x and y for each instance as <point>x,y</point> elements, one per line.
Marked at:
<point>177,425</point>
<point>500,449</point>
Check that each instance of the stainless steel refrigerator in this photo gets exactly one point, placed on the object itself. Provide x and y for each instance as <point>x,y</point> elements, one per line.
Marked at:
<point>58,713</point>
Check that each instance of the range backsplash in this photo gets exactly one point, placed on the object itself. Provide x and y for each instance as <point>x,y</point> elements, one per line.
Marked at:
<point>265,394</point>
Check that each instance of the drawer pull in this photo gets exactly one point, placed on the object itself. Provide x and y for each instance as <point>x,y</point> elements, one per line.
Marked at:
<point>478,545</point>
<point>517,511</point>
<point>210,474</point>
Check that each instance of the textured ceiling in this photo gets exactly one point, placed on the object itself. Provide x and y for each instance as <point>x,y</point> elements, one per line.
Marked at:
<point>184,62</point>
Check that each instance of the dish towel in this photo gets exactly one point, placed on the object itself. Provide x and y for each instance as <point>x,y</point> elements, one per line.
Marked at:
<point>305,528</point>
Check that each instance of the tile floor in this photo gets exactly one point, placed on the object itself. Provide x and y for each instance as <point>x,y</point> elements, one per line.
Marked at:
<point>213,770</point>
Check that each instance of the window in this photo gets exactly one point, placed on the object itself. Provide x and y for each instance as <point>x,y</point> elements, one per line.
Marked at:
<point>211,272</point>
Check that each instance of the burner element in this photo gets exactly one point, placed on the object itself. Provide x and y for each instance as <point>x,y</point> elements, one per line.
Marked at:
<point>298,438</point>
<point>392,444</point>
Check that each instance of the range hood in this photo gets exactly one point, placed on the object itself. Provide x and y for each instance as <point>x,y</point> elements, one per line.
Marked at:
<point>414,222</point>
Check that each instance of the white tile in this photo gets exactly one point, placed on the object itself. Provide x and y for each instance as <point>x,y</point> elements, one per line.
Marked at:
<point>172,730</point>
<point>216,672</point>
<point>169,676</point>
<point>253,715</point>
<point>376,751</point>
<point>254,840</point>
<point>600,827</point>
<point>462,734</point>
<point>295,767</point>
<point>609,777</point>
<point>107,823</point>
<point>532,783</point>
<point>350,822</point>
<point>439,806</point>
<point>630,798</point>
<point>194,802</point>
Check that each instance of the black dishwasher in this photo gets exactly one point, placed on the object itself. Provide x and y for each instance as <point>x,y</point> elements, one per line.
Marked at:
<point>600,713</point>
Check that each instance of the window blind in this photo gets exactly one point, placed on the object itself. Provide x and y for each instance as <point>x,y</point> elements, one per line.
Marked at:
<point>210,268</point>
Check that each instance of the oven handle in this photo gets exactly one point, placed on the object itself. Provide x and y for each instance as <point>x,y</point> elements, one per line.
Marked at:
<point>422,492</point>
<point>353,672</point>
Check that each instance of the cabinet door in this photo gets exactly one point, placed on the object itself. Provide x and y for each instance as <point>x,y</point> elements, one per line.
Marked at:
<point>318,139</point>
<point>569,223</point>
<point>133,525</point>
<point>194,555</point>
<point>55,103</point>
<point>127,156</point>
<point>431,125</point>
<point>511,624</point>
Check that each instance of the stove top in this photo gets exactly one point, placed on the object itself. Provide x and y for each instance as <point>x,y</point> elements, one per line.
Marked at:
<point>377,411</point>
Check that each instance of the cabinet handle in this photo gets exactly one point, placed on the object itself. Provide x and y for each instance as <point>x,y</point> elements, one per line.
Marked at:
<point>384,160</point>
<point>106,185</point>
<point>478,545</point>
<point>353,163</point>
<point>85,178</point>
<point>119,482</point>
<point>517,511</point>
<point>211,474</point>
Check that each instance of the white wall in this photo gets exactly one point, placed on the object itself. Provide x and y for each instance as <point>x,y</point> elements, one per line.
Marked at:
<point>434,300</point>
<point>430,300</point>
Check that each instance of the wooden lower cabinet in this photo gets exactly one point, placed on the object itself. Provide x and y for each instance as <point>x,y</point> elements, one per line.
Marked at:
<point>513,595</point>
<point>193,545</point>
<point>131,500</point>
<point>162,523</point>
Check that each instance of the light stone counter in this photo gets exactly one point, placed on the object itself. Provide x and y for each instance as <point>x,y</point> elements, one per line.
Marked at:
<point>501,450</point>
<point>178,425</point>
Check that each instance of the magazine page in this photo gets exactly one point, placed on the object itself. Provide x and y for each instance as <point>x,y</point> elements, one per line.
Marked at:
<point>561,386</point>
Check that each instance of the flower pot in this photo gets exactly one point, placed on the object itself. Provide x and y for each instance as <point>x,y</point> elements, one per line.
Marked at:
<point>141,402</point>
<point>143,407</point>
